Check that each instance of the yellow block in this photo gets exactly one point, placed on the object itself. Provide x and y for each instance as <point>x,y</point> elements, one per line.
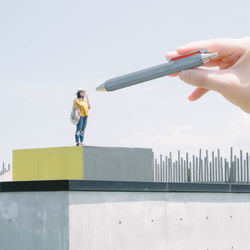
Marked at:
<point>48,164</point>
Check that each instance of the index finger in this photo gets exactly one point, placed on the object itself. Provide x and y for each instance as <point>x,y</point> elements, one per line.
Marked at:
<point>223,46</point>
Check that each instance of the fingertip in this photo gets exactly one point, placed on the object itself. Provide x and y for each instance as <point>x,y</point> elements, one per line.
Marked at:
<point>183,49</point>
<point>197,93</point>
<point>191,98</point>
<point>171,54</point>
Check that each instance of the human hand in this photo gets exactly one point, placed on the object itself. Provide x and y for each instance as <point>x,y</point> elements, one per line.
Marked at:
<point>85,93</point>
<point>232,80</point>
<point>77,118</point>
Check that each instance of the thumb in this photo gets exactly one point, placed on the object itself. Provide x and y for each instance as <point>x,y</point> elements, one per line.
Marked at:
<point>218,80</point>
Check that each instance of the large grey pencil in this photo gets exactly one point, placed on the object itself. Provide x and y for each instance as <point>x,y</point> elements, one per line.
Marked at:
<point>176,64</point>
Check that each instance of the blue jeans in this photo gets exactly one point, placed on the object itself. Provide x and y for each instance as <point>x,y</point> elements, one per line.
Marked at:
<point>80,128</point>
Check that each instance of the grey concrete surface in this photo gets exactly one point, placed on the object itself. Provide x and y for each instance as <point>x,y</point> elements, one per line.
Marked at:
<point>34,221</point>
<point>159,221</point>
<point>89,220</point>
<point>117,163</point>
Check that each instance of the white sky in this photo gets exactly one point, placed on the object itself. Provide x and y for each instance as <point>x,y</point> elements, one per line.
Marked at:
<point>50,48</point>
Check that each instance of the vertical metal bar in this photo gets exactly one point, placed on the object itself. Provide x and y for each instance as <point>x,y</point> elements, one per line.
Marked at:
<point>221,169</point>
<point>179,164</point>
<point>194,169</point>
<point>166,165</point>
<point>207,170</point>
<point>161,168</point>
<point>238,170</point>
<point>236,174</point>
<point>163,171</point>
<point>225,171</point>
<point>218,165</point>
<point>200,166</point>
<point>155,170</point>
<point>171,167</point>
<point>158,172</point>
<point>241,166</point>
<point>247,159</point>
<point>177,171</point>
<point>169,171</point>
<point>211,176</point>
<point>228,172</point>
<point>189,177</point>
<point>216,170</point>
<point>231,166</point>
<point>182,171</point>
<point>174,169</point>
<point>185,172</point>
<point>201,170</point>
<point>213,167</point>
<point>245,170</point>
<point>174,175</point>
<point>232,175</point>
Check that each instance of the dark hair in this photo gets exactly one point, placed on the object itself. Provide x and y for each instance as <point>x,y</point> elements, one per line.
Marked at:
<point>79,95</point>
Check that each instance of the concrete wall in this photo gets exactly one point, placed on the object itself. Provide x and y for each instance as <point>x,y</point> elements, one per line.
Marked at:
<point>34,221</point>
<point>124,220</point>
<point>159,221</point>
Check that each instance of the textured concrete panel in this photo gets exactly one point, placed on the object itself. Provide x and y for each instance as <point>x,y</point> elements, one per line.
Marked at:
<point>159,221</point>
<point>116,163</point>
<point>34,221</point>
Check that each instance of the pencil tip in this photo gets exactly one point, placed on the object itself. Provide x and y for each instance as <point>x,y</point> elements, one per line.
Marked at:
<point>101,87</point>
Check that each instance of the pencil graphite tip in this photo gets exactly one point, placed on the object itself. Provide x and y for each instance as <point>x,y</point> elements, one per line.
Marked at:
<point>101,87</point>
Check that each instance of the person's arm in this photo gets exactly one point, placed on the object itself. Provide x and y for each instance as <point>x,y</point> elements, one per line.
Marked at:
<point>232,80</point>
<point>87,98</point>
<point>76,108</point>
<point>76,115</point>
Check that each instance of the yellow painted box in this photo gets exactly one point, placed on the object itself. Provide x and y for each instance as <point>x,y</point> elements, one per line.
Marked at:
<point>48,164</point>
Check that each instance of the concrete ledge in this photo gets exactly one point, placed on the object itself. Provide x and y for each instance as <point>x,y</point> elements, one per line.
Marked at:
<point>154,216</point>
<point>120,186</point>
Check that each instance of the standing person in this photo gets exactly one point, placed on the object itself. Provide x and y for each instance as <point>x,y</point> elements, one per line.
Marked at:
<point>81,108</point>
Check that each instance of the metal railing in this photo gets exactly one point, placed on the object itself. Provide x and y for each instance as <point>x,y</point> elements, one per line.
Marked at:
<point>5,168</point>
<point>203,169</point>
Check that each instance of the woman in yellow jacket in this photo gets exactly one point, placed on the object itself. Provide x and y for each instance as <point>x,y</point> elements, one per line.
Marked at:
<point>81,107</point>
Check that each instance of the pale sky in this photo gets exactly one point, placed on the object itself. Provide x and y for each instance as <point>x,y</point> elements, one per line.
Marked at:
<point>50,48</point>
